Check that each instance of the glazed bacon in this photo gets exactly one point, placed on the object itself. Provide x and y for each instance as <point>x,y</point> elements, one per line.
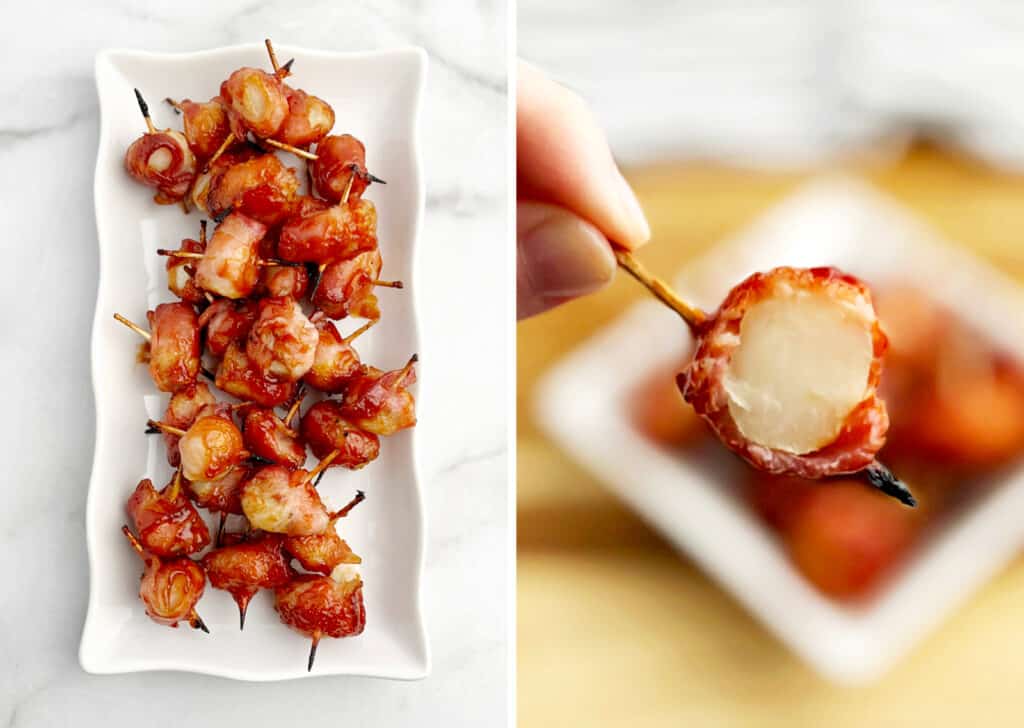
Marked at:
<point>280,280</point>
<point>340,158</point>
<point>786,373</point>
<point>279,500</point>
<point>206,125</point>
<point>169,589</point>
<point>319,606</point>
<point>346,287</point>
<point>237,376</point>
<point>309,119</point>
<point>266,436</point>
<point>229,267</point>
<point>226,321</point>
<point>243,569</point>
<point>336,362</point>
<point>283,342</point>
<point>326,430</point>
<point>204,181</point>
<point>380,402</point>
<point>261,188</point>
<point>223,495</point>
<point>182,409</point>
<point>167,523</point>
<point>337,233</point>
<point>162,160</point>
<point>256,102</point>
<point>173,346</point>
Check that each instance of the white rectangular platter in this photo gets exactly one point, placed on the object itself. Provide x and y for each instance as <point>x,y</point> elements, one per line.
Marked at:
<point>376,97</point>
<point>584,404</point>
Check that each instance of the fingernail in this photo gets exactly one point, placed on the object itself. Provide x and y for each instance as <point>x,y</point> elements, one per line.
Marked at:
<point>633,215</point>
<point>564,256</point>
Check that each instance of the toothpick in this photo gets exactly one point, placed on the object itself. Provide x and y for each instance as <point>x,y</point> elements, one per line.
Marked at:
<point>134,327</point>
<point>692,315</point>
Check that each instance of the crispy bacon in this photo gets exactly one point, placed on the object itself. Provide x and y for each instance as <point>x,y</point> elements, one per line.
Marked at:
<point>229,267</point>
<point>309,119</point>
<point>380,402</point>
<point>269,438</point>
<point>226,321</point>
<point>167,523</point>
<point>336,362</point>
<point>256,102</point>
<point>703,382</point>
<point>206,125</point>
<point>339,158</point>
<point>337,233</point>
<point>243,569</point>
<point>162,160</point>
<point>325,428</point>
<point>283,342</point>
<point>237,376</point>
<point>261,188</point>
<point>182,409</point>
<point>173,346</point>
<point>280,500</point>
<point>346,287</point>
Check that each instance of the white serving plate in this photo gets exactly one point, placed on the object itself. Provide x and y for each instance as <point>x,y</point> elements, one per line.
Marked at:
<point>376,96</point>
<point>582,403</point>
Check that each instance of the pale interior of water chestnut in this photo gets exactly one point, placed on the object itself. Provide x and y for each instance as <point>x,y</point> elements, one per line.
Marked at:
<point>801,366</point>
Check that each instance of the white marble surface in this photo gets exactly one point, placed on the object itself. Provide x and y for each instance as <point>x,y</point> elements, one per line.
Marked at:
<point>48,128</point>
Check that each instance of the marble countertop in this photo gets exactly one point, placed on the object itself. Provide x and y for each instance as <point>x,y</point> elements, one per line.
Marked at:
<point>48,132</point>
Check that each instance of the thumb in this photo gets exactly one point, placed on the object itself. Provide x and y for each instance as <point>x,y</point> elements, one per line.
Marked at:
<point>559,256</point>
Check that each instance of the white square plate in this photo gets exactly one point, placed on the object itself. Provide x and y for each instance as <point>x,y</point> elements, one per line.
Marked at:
<point>376,96</point>
<point>583,405</point>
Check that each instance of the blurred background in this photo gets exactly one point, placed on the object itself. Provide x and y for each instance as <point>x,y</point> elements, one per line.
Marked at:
<point>718,112</point>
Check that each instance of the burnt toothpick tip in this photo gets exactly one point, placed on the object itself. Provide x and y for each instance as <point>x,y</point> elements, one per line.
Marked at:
<point>143,106</point>
<point>223,214</point>
<point>883,479</point>
<point>198,623</point>
<point>376,179</point>
<point>312,653</point>
<point>208,374</point>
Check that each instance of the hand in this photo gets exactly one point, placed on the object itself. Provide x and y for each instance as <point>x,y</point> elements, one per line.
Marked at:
<point>571,198</point>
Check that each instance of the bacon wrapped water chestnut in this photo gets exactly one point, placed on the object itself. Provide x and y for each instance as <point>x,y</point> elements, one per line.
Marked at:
<point>205,124</point>
<point>328,433</point>
<point>324,552</point>
<point>161,159</point>
<point>226,321</point>
<point>256,102</point>
<point>215,167</point>
<point>337,233</point>
<point>173,348</point>
<point>261,188</point>
<point>211,446</point>
<point>181,270</point>
<point>270,437</point>
<point>283,342</point>
<point>319,606</point>
<point>340,165</point>
<point>244,568</point>
<point>228,267</point>
<point>346,288</point>
<point>309,119</point>
<point>786,372</point>
<point>239,377</point>
<point>336,362</point>
<point>170,589</point>
<point>182,409</point>
<point>380,402</point>
<point>167,523</point>
<point>279,500</point>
